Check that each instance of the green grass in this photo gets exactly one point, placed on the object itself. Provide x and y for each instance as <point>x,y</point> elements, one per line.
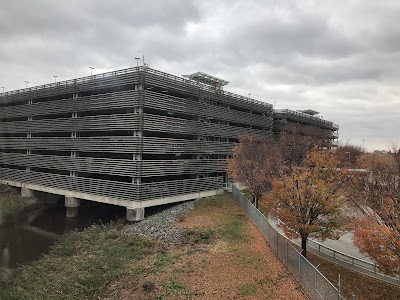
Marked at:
<point>78,267</point>
<point>233,228</point>
<point>164,259</point>
<point>355,285</point>
<point>175,287</point>
<point>247,289</point>
<point>230,224</point>
<point>12,206</point>
<point>199,236</point>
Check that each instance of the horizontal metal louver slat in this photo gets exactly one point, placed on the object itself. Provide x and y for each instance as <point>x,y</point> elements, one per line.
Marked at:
<point>119,167</point>
<point>89,103</point>
<point>114,189</point>
<point>129,121</point>
<point>118,144</point>
<point>71,86</point>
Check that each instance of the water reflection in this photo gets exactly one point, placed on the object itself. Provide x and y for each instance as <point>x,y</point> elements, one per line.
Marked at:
<point>28,239</point>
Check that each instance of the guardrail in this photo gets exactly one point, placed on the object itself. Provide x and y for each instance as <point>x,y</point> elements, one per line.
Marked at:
<point>289,112</point>
<point>351,262</point>
<point>313,282</point>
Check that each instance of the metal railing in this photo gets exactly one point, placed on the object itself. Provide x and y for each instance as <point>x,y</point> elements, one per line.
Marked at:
<point>99,77</point>
<point>314,283</point>
<point>291,113</point>
<point>353,263</point>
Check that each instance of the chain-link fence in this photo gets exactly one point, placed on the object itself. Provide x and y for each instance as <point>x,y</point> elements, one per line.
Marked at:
<point>313,282</point>
<point>357,264</point>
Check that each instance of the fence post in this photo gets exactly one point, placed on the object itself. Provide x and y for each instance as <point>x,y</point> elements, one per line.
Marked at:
<point>277,242</point>
<point>315,284</point>
<point>339,288</point>
<point>269,233</point>
<point>287,253</point>
<point>300,265</point>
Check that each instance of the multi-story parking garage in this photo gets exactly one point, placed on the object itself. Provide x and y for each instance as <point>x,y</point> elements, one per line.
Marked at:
<point>135,137</point>
<point>305,123</point>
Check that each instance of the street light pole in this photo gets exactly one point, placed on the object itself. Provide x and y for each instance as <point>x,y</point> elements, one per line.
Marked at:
<point>55,78</point>
<point>274,104</point>
<point>91,71</point>
<point>26,84</point>
<point>3,87</point>
<point>137,61</point>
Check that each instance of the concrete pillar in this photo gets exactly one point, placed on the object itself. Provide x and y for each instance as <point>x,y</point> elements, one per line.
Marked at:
<point>72,205</point>
<point>134,215</point>
<point>26,193</point>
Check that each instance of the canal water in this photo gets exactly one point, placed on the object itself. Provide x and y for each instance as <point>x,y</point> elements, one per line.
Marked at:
<point>31,237</point>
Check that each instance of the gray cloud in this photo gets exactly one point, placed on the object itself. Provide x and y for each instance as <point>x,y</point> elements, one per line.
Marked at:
<point>338,59</point>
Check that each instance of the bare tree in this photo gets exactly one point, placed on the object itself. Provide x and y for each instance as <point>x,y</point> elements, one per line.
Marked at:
<point>295,146</point>
<point>254,163</point>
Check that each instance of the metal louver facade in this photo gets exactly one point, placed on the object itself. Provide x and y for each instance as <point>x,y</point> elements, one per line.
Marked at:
<point>135,137</point>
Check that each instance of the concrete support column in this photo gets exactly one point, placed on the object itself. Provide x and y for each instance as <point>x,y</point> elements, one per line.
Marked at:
<point>26,193</point>
<point>134,215</point>
<point>72,205</point>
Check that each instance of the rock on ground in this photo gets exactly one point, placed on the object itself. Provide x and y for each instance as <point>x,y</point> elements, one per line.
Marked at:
<point>163,226</point>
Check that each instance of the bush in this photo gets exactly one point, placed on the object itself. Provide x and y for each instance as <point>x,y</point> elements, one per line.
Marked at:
<point>12,206</point>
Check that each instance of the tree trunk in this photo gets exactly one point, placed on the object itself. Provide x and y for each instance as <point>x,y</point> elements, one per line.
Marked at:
<point>304,246</point>
<point>256,201</point>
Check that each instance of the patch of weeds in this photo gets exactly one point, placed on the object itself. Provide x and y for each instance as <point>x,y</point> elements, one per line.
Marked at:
<point>165,259</point>
<point>148,286</point>
<point>78,267</point>
<point>247,289</point>
<point>181,217</point>
<point>212,202</point>
<point>234,227</point>
<point>199,236</point>
<point>13,206</point>
<point>175,287</point>
<point>281,276</point>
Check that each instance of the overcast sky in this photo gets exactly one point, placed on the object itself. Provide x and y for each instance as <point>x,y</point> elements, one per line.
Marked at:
<point>340,58</point>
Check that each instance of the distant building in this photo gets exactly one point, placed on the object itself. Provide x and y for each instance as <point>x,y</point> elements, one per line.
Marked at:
<point>305,122</point>
<point>380,152</point>
<point>136,137</point>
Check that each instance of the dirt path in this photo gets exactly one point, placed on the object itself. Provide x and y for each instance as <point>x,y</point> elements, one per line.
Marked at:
<point>225,257</point>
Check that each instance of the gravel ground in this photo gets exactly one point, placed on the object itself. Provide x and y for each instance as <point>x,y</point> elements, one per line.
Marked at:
<point>163,226</point>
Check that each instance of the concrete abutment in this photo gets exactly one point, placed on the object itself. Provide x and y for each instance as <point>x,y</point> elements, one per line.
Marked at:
<point>26,193</point>
<point>72,205</point>
<point>134,214</point>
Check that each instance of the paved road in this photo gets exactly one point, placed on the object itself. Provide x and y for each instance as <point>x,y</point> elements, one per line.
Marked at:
<point>344,244</point>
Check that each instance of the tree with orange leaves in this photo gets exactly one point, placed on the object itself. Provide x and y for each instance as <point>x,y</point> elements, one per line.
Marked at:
<point>308,200</point>
<point>380,242</point>
<point>254,163</point>
<point>378,233</point>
